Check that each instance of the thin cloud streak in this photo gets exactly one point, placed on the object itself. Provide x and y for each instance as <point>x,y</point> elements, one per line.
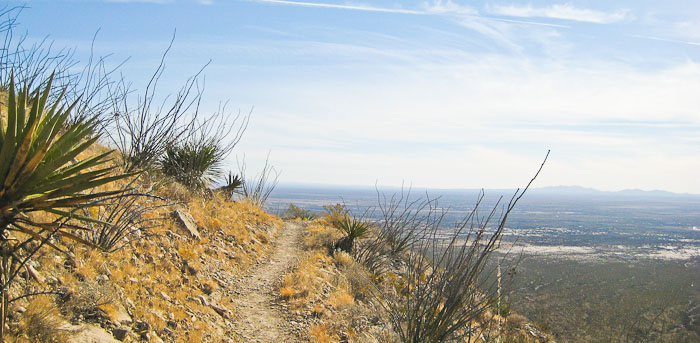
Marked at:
<point>403,11</point>
<point>344,7</point>
<point>566,12</point>
<point>667,40</point>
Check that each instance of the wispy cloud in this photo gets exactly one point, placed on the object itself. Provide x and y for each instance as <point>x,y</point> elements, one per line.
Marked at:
<point>667,40</point>
<point>565,11</point>
<point>439,8</point>
<point>142,1</point>
<point>344,7</point>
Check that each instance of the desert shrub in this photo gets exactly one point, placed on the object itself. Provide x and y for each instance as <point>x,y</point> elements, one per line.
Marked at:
<point>296,212</point>
<point>85,299</point>
<point>120,216</point>
<point>142,131</point>
<point>196,161</point>
<point>232,185</point>
<point>42,322</point>
<point>334,212</point>
<point>258,188</point>
<point>354,228</point>
<point>373,254</point>
<point>445,286</point>
<point>39,174</point>
<point>358,278</point>
<point>321,236</point>
<point>193,166</point>
<point>404,220</point>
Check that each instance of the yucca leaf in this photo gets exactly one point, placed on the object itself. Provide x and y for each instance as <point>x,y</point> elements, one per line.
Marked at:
<point>8,145</point>
<point>53,162</point>
<point>69,181</point>
<point>76,238</point>
<point>77,216</point>
<point>35,235</point>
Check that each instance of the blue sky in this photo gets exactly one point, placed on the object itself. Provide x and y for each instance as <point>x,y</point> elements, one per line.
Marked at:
<point>443,94</point>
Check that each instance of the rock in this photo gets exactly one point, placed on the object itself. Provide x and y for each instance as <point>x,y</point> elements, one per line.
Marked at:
<point>142,326</point>
<point>20,309</point>
<point>90,334</point>
<point>53,281</point>
<point>155,338</point>
<point>203,300</point>
<point>188,225</point>
<point>222,311</point>
<point>120,316</point>
<point>102,278</point>
<point>120,333</point>
<point>34,274</point>
<point>164,296</point>
<point>197,300</point>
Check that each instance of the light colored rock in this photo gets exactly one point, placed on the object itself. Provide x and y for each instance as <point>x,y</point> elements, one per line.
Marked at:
<point>120,316</point>
<point>34,274</point>
<point>164,296</point>
<point>155,338</point>
<point>203,300</point>
<point>187,223</point>
<point>89,333</point>
<point>222,311</point>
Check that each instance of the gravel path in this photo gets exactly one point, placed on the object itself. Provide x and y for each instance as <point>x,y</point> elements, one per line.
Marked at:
<point>260,316</point>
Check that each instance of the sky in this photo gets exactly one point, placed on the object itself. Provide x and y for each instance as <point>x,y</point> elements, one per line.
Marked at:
<point>438,94</point>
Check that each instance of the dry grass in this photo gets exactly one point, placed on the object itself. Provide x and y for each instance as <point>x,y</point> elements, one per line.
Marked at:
<point>165,261</point>
<point>320,333</point>
<point>42,322</point>
<point>321,235</point>
<point>340,299</point>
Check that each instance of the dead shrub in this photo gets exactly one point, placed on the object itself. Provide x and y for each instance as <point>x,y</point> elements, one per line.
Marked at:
<point>85,300</point>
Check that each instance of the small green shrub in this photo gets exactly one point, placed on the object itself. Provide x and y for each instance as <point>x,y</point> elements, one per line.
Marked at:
<point>232,185</point>
<point>193,164</point>
<point>354,228</point>
<point>296,212</point>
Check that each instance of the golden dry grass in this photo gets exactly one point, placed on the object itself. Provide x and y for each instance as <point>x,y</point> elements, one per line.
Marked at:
<point>154,276</point>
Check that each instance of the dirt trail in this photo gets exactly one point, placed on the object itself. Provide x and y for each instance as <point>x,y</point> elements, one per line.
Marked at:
<point>260,317</point>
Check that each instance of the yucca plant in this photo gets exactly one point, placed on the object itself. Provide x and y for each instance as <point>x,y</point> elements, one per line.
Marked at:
<point>232,184</point>
<point>193,164</point>
<point>354,228</point>
<point>39,173</point>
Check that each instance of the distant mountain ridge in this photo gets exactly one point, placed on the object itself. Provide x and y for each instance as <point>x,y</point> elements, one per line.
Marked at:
<point>579,190</point>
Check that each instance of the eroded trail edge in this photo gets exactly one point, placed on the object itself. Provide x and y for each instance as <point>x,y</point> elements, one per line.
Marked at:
<point>260,316</point>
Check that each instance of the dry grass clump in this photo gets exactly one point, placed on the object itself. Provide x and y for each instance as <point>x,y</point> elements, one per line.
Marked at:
<point>320,333</point>
<point>83,301</point>
<point>306,278</point>
<point>321,235</point>
<point>237,220</point>
<point>340,299</point>
<point>323,287</point>
<point>42,322</point>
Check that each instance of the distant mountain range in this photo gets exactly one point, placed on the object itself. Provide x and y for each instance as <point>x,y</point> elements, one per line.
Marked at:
<point>550,190</point>
<point>578,190</point>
